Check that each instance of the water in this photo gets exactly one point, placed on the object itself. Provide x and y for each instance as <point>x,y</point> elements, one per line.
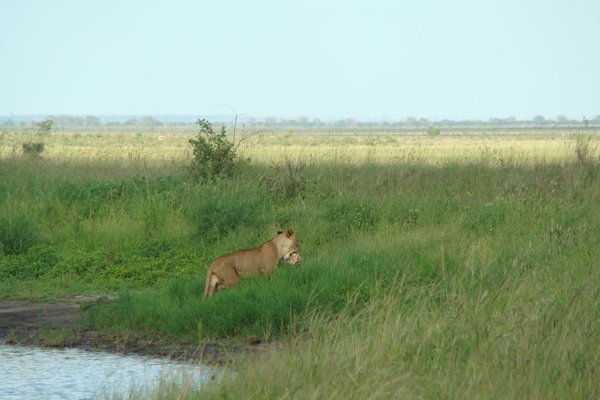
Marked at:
<point>34,373</point>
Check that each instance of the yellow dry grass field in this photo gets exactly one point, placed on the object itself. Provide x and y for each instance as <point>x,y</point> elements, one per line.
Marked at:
<point>163,148</point>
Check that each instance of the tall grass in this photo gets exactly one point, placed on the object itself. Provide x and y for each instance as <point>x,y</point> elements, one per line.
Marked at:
<point>530,336</point>
<point>496,299</point>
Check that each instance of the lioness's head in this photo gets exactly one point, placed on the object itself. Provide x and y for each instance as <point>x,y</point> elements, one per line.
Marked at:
<point>290,247</point>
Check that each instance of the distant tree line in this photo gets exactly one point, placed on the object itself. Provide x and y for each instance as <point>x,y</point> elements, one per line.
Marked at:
<point>78,120</point>
<point>414,122</point>
<point>299,122</point>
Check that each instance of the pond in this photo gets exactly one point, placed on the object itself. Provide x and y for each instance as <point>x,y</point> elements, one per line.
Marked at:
<point>35,373</point>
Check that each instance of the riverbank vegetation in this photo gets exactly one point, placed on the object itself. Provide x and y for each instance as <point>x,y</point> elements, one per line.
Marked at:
<point>448,266</point>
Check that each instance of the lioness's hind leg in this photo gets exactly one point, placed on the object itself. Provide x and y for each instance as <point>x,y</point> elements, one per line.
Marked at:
<point>220,278</point>
<point>213,284</point>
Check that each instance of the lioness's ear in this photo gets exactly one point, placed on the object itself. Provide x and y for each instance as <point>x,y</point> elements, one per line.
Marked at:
<point>289,233</point>
<point>279,231</point>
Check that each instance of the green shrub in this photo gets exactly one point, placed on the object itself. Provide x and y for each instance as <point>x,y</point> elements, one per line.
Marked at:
<point>33,148</point>
<point>433,131</point>
<point>44,127</point>
<point>214,155</point>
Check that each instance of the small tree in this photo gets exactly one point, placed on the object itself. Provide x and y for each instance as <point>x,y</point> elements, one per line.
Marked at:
<point>36,148</point>
<point>214,155</point>
<point>44,127</point>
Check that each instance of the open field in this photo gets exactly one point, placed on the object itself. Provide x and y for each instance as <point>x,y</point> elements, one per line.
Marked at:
<point>166,148</point>
<point>460,266</point>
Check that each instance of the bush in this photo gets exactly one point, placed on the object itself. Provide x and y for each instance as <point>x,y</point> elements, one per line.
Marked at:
<point>214,155</point>
<point>433,131</point>
<point>33,148</point>
<point>44,127</point>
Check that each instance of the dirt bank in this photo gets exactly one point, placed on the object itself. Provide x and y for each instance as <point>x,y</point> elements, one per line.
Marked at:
<point>30,317</point>
<point>55,325</point>
<point>23,316</point>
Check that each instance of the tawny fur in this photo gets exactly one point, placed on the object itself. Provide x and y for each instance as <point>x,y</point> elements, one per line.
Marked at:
<point>226,271</point>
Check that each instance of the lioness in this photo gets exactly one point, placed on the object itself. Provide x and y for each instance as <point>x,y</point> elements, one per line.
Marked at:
<point>226,271</point>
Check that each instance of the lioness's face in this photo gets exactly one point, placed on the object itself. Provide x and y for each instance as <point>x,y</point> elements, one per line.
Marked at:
<point>294,259</point>
<point>291,248</point>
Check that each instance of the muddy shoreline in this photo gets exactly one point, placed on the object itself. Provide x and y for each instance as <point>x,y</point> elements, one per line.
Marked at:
<point>50,324</point>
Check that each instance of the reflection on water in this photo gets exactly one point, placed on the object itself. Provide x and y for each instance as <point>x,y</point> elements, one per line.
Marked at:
<point>33,373</point>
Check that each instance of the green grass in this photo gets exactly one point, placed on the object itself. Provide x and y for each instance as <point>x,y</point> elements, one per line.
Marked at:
<point>525,337</point>
<point>457,279</point>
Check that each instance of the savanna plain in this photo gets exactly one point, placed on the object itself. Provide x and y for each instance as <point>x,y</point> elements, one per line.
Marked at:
<point>458,266</point>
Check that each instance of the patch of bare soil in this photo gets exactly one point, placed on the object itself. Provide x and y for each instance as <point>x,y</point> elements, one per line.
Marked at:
<point>22,316</point>
<point>15,315</point>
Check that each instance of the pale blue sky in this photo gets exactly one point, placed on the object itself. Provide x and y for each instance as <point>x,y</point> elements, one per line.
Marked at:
<point>455,59</point>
